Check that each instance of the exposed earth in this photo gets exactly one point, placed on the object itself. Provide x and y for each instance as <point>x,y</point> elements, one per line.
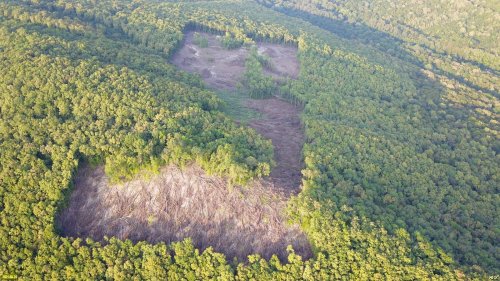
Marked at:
<point>222,69</point>
<point>177,204</point>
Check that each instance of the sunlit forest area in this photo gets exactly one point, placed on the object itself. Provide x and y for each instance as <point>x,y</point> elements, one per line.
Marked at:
<point>397,101</point>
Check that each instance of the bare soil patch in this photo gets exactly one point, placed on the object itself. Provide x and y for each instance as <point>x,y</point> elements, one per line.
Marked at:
<point>178,204</point>
<point>223,69</point>
<point>281,124</point>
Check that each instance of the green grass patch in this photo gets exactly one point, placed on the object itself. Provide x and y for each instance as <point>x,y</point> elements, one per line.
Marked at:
<point>235,106</point>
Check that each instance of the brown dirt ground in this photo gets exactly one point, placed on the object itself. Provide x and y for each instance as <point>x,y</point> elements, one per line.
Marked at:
<point>281,124</point>
<point>178,204</point>
<point>223,69</point>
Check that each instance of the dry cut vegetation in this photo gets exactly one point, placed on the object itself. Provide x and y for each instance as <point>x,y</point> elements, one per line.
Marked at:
<point>176,204</point>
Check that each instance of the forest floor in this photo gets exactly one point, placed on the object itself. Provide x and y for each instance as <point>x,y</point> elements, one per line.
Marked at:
<point>176,204</point>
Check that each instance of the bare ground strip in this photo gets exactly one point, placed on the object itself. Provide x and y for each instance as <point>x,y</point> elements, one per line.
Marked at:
<point>281,124</point>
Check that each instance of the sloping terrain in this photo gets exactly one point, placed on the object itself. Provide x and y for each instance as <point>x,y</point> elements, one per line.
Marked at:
<point>178,204</point>
<point>397,184</point>
<point>222,68</point>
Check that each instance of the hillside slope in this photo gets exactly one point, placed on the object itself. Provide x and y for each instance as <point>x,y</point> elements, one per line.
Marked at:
<point>398,180</point>
<point>453,50</point>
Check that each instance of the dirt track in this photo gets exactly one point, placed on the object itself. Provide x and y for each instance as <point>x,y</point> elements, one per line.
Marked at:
<point>281,124</point>
<point>179,204</point>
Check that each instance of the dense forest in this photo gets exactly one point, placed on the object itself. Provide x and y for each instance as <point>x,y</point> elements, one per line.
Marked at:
<point>400,113</point>
<point>255,82</point>
<point>451,43</point>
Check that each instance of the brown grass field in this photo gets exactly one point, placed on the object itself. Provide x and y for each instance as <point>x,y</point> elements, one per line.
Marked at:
<point>176,204</point>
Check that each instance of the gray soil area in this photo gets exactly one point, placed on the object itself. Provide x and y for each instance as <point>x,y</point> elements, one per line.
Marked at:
<point>177,204</point>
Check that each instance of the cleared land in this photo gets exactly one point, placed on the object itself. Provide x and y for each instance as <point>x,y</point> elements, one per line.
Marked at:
<point>222,69</point>
<point>281,124</point>
<point>278,120</point>
<point>178,204</point>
